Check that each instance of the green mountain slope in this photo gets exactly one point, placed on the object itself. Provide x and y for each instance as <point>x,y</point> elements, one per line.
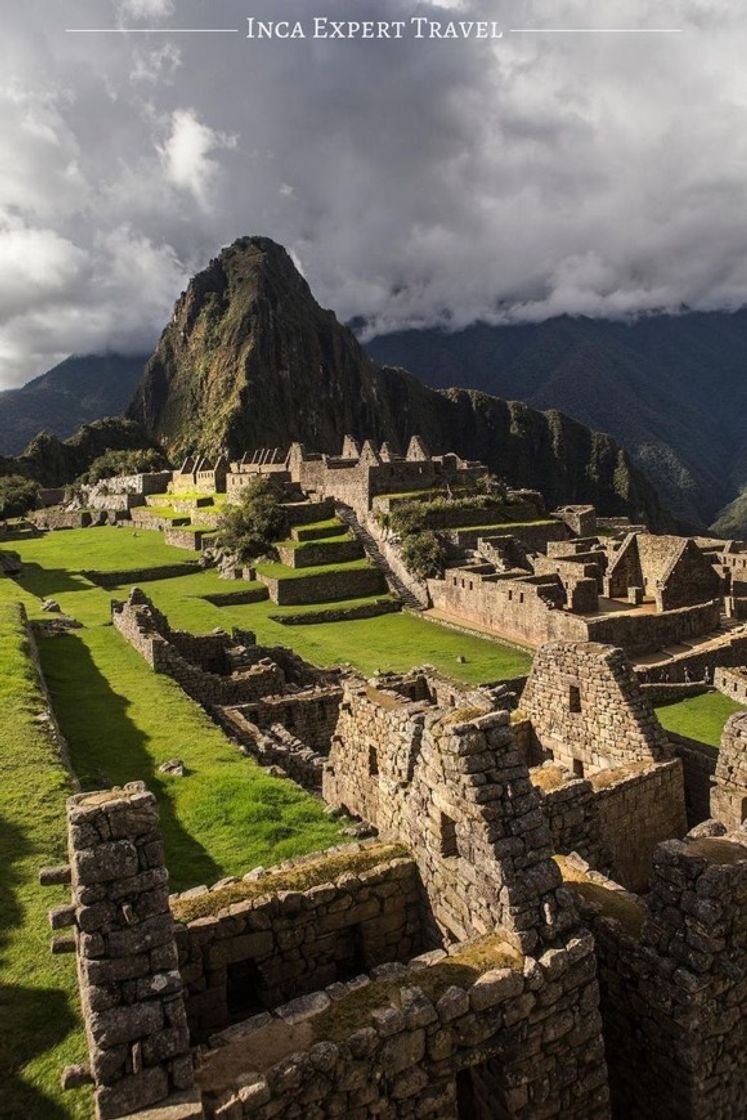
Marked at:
<point>250,359</point>
<point>672,389</point>
<point>76,392</point>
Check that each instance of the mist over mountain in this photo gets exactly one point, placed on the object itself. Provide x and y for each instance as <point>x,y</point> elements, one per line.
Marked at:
<point>671,389</point>
<point>250,359</point>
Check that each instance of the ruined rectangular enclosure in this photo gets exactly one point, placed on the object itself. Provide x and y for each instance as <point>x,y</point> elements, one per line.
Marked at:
<point>529,921</point>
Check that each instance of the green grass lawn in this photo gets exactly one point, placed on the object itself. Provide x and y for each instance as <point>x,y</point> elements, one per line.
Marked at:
<point>280,571</point>
<point>39,1026</point>
<point>699,717</point>
<point>227,814</point>
<point>396,642</point>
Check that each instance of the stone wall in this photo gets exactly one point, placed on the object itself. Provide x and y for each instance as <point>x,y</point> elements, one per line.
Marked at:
<point>130,987</point>
<point>699,766</point>
<point>672,979</point>
<point>732,682</point>
<point>274,746</point>
<point>597,817</point>
<point>729,792</point>
<point>527,612</point>
<point>442,1038</point>
<point>638,632</point>
<point>587,709</point>
<point>185,657</point>
<point>311,716</point>
<point>452,786</point>
<point>246,956</point>
<point>334,551</point>
<point>342,614</point>
<point>337,583</point>
<point>647,805</point>
<point>131,576</point>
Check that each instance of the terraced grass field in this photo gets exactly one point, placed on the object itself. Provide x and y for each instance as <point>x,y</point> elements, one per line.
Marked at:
<point>699,717</point>
<point>121,721</point>
<point>40,1029</point>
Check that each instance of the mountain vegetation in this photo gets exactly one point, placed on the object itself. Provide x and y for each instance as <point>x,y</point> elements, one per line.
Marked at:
<point>54,462</point>
<point>671,389</point>
<point>249,359</point>
<point>77,391</point>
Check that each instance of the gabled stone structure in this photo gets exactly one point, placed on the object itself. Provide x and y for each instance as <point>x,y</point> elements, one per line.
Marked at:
<point>587,709</point>
<point>362,472</point>
<point>671,571</point>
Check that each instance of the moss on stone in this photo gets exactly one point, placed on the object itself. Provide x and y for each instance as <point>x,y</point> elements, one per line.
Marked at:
<point>620,905</point>
<point>460,969</point>
<point>310,873</point>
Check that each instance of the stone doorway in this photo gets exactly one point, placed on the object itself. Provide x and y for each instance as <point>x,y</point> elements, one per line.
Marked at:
<point>479,1093</point>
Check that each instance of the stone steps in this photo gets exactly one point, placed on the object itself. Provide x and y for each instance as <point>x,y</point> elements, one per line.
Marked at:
<point>373,552</point>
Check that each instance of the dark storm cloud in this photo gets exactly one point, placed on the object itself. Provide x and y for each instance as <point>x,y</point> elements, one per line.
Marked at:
<point>414,182</point>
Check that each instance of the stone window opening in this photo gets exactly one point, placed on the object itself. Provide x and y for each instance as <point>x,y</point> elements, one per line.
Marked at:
<point>351,959</point>
<point>574,698</point>
<point>578,768</point>
<point>449,843</point>
<point>373,761</point>
<point>243,987</point>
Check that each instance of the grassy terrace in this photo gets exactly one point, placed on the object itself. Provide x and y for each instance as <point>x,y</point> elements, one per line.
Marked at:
<point>396,641</point>
<point>39,1026</point>
<point>227,814</point>
<point>279,571</point>
<point>699,717</point>
<point>502,526</point>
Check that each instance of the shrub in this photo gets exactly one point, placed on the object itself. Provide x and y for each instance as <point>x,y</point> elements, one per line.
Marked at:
<point>17,495</point>
<point>113,463</point>
<point>413,517</point>
<point>250,528</point>
<point>424,554</point>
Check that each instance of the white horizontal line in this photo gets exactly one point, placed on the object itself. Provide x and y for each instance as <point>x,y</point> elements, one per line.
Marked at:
<point>596,31</point>
<point>151,31</point>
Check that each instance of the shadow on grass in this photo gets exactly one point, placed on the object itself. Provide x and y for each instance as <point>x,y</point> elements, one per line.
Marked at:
<point>32,1020</point>
<point>46,582</point>
<point>108,749</point>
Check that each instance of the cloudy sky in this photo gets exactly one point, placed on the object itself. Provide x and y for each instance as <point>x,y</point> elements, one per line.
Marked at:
<point>415,182</point>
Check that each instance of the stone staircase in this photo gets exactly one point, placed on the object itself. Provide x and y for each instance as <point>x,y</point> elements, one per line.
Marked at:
<point>374,553</point>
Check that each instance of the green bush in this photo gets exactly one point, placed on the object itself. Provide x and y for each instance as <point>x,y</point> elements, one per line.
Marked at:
<point>251,528</point>
<point>413,517</point>
<point>424,554</point>
<point>17,495</point>
<point>114,463</point>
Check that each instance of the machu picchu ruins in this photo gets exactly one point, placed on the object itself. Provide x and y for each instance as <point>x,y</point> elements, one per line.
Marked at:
<point>534,886</point>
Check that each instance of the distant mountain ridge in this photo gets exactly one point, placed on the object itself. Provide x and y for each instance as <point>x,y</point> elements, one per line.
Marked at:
<point>75,392</point>
<point>671,389</point>
<point>250,359</point>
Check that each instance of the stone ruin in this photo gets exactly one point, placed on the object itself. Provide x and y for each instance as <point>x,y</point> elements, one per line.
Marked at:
<point>279,708</point>
<point>530,934</point>
<point>641,593</point>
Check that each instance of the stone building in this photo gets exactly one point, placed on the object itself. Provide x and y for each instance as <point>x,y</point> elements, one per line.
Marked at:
<point>643,594</point>
<point>359,473</point>
<point>279,708</point>
<point>200,474</point>
<point>483,957</point>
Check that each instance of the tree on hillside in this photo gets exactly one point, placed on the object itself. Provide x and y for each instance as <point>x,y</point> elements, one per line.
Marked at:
<point>251,528</point>
<point>17,495</point>
<point>114,463</point>
<point>424,554</point>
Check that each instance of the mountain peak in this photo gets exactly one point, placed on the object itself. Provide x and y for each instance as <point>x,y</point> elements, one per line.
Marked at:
<point>250,359</point>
